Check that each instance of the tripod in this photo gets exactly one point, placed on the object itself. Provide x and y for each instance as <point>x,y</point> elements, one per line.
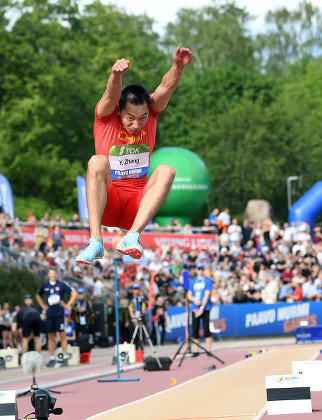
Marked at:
<point>190,340</point>
<point>34,387</point>
<point>141,328</point>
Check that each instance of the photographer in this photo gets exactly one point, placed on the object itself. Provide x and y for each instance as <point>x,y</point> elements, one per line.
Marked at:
<point>137,309</point>
<point>83,314</point>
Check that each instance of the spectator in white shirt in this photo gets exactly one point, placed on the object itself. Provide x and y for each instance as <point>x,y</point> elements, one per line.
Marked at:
<point>224,217</point>
<point>235,232</point>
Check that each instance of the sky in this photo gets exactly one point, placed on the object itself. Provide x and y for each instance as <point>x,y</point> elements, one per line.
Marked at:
<point>165,11</point>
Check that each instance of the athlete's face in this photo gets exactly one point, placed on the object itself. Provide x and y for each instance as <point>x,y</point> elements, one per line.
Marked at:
<point>134,117</point>
<point>52,275</point>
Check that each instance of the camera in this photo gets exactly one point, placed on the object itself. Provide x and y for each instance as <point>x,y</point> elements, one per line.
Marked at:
<point>44,404</point>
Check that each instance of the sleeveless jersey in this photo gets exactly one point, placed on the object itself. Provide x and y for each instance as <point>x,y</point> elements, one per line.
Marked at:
<point>129,154</point>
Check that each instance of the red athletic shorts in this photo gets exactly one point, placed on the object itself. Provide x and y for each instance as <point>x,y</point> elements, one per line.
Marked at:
<point>122,206</point>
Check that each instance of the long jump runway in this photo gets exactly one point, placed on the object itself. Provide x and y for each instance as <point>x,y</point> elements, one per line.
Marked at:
<point>193,391</point>
<point>236,391</point>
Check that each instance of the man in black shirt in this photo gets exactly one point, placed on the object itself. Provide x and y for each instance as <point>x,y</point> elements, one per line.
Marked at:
<point>28,318</point>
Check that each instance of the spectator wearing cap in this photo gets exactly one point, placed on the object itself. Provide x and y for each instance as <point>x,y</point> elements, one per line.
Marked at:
<point>82,314</point>
<point>137,306</point>
<point>28,318</point>
<point>199,294</point>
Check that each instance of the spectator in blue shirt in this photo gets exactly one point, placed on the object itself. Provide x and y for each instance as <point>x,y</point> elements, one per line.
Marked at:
<point>286,292</point>
<point>213,217</point>
<point>199,294</point>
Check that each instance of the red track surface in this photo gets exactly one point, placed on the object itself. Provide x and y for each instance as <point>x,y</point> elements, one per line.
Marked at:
<point>84,399</point>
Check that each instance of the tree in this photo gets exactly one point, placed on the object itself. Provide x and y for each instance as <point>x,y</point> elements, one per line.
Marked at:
<point>290,36</point>
<point>214,34</point>
<point>56,73</point>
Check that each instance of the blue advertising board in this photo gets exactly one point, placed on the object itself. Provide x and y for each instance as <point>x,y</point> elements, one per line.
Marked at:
<point>309,333</point>
<point>253,319</point>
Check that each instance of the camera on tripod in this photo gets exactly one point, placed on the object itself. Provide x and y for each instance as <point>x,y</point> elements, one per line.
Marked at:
<point>44,404</point>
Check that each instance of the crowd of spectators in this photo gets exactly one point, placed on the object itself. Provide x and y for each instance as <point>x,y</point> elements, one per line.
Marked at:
<point>247,261</point>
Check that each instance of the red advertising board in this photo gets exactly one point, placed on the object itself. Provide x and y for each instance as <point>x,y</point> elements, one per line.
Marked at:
<point>153,239</point>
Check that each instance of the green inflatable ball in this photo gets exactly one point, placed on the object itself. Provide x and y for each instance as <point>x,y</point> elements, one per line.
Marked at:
<point>190,188</point>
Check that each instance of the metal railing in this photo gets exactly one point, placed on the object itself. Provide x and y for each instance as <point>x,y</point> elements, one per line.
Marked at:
<point>23,261</point>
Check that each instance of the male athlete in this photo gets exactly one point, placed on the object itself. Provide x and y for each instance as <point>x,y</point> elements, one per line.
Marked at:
<point>54,291</point>
<point>118,193</point>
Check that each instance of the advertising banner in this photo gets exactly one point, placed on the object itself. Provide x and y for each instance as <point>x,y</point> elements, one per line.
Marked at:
<point>82,200</point>
<point>6,197</point>
<point>153,239</point>
<point>251,319</point>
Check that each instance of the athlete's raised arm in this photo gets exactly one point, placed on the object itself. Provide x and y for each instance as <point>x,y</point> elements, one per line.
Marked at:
<point>181,58</point>
<point>112,94</point>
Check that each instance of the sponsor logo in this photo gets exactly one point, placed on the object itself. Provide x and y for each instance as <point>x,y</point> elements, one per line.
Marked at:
<point>288,378</point>
<point>129,150</point>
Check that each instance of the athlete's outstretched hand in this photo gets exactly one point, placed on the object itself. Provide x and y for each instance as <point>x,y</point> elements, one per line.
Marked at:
<point>121,66</point>
<point>182,56</point>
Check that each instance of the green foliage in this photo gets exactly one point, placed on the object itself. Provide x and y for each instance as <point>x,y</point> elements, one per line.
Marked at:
<point>249,107</point>
<point>21,282</point>
<point>215,34</point>
<point>39,207</point>
<point>290,36</point>
<point>51,87</point>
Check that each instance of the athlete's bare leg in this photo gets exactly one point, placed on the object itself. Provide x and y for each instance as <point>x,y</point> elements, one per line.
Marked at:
<point>97,179</point>
<point>158,188</point>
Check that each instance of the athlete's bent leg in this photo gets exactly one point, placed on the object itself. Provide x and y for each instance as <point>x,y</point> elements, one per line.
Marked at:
<point>157,190</point>
<point>97,179</point>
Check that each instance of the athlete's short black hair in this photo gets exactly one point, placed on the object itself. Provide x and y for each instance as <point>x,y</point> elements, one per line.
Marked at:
<point>134,94</point>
